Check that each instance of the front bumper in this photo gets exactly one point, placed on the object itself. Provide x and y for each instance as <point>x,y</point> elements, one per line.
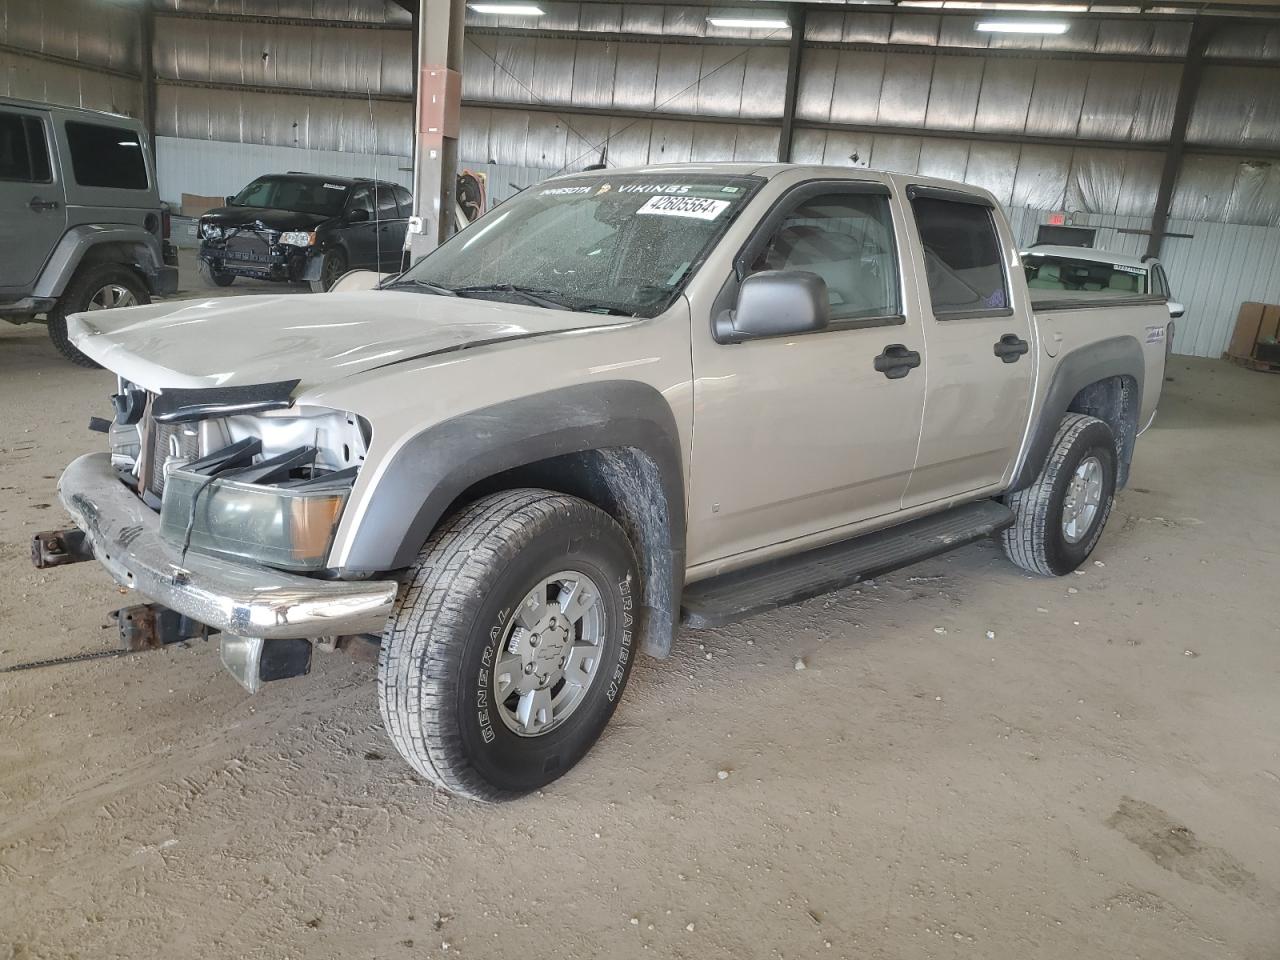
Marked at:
<point>235,598</point>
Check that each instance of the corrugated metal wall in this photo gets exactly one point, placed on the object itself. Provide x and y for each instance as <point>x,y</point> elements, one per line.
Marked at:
<point>84,53</point>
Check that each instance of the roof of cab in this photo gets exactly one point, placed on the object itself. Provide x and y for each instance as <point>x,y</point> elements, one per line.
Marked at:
<point>1088,253</point>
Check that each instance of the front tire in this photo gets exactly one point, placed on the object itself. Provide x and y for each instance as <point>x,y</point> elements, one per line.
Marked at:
<point>511,644</point>
<point>101,287</point>
<point>1060,517</point>
<point>214,277</point>
<point>334,266</point>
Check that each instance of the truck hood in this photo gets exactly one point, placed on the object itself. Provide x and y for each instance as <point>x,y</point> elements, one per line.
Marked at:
<point>263,218</point>
<point>317,339</point>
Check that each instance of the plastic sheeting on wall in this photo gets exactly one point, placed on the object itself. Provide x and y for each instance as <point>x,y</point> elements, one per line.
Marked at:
<point>29,79</point>
<point>94,33</point>
<point>364,11</point>
<point>1237,106</point>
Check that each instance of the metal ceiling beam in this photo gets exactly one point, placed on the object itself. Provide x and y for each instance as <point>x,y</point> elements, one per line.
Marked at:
<point>795,57</point>
<point>564,110</point>
<point>69,62</point>
<point>1188,88</point>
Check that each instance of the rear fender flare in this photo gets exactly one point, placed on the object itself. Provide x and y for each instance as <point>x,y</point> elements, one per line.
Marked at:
<point>1082,367</point>
<point>143,251</point>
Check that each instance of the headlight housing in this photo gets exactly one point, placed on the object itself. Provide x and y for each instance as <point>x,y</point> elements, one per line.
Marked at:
<point>210,231</point>
<point>298,238</point>
<point>290,527</point>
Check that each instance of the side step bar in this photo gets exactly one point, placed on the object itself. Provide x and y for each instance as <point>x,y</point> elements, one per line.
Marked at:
<point>744,593</point>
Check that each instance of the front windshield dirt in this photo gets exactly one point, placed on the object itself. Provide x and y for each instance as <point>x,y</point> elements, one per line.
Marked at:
<point>308,195</point>
<point>623,244</point>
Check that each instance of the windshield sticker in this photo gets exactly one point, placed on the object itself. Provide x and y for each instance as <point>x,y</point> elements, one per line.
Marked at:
<point>334,186</point>
<point>698,208</point>
<point>1123,269</point>
<point>564,191</point>
<point>655,188</point>
<point>604,188</point>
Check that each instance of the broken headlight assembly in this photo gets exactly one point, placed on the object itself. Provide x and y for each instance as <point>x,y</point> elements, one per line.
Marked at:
<point>271,491</point>
<point>297,238</point>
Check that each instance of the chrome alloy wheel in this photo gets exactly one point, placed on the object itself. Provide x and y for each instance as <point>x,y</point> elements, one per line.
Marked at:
<point>550,653</point>
<point>112,295</point>
<point>1084,494</point>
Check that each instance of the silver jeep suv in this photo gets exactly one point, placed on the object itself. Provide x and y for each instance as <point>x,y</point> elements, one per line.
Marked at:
<point>81,223</point>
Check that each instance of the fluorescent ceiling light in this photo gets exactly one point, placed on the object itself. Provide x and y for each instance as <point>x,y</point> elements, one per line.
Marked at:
<point>1022,26</point>
<point>750,23</point>
<point>510,9</point>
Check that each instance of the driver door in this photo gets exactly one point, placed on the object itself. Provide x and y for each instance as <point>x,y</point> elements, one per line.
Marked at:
<point>361,235</point>
<point>798,435</point>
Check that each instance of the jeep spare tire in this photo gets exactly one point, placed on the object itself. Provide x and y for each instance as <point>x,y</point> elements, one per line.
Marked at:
<point>103,286</point>
<point>511,644</point>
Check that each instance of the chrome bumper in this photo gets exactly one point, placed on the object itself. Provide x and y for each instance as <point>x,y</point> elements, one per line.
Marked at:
<point>236,598</point>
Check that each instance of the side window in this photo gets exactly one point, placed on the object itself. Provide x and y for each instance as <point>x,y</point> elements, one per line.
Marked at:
<point>847,239</point>
<point>406,201</point>
<point>362,199</point>
<point>387,207</point>
<point>1160,283</point>
<point>961,256</point>
<point>24,153</point>
<point>106,156</point>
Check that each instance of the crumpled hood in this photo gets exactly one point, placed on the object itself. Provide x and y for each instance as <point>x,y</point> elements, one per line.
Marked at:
<point>263,218</point>
<point>318,339</point>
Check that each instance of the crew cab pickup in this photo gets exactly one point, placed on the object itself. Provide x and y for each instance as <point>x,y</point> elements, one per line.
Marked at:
<point>619,401</point>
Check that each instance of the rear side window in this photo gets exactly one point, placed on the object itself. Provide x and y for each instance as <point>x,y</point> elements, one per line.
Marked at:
<point>387,208</point>
<point>406,201</point>
<point>24,154</point>
<point>961,257</point>
<point>104,156</point>
<point>847,239</point>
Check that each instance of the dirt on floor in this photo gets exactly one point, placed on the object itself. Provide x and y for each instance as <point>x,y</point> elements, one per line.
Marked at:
<point>974,763</point>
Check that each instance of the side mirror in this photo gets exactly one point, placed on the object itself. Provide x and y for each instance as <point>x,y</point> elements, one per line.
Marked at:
<point>357,215</point>
<point>1176,309</point>
<point>231,200</point>
<point>776,303</point>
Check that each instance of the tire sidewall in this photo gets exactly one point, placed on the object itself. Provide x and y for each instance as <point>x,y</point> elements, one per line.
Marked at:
<point>504,759</point>
<point>1094,440</point>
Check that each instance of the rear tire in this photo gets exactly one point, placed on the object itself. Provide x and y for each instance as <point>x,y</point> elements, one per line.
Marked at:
<point>102,286</point>
<point>214,278</point>
<point>487,609</point>
<point>1060,517</point>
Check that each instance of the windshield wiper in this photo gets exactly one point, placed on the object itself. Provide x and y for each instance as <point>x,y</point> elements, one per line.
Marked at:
<point>534,295</point>
<point>426,285</point>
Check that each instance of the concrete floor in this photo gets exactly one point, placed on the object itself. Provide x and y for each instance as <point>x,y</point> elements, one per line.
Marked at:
<point>1096,777</point>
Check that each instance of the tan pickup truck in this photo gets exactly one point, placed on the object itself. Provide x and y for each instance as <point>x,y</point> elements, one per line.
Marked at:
<point>619,401</point>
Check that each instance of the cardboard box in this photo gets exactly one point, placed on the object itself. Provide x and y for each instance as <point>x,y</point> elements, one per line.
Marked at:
<point>1270,326</point>
<point>194,205</point>
<point>1248,323</point>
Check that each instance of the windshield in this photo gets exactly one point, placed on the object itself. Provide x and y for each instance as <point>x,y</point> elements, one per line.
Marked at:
<point>1069,275</point>
<point>309,195</point>
<point>622,244</point>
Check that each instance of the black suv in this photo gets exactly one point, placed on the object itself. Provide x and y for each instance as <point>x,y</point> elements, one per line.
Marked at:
<point>302,226</point>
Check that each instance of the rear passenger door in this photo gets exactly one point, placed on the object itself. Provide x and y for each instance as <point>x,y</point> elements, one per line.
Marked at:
<point>33,214</point>
<point>981,364</point>
<point>803,434</point>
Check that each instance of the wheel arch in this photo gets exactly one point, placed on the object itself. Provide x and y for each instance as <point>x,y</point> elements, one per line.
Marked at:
<point>132,247</point>
<point>1102,379</point>
<point>613,444</point>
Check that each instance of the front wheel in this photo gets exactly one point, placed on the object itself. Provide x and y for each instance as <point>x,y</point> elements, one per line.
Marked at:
<point>511,645</point>
<point>214,277</point>
<point>334,266</point>
<point>1061,515</point>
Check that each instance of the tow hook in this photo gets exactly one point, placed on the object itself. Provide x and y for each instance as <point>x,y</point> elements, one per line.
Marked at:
<point>56,548</point>
<point>149,626</point>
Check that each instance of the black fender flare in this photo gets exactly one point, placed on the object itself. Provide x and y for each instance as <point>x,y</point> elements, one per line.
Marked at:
<point>629,423</point>
<point>1106,359</point>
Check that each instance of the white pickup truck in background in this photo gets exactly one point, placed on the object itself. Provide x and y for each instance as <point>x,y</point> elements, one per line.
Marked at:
<point>618,401</point>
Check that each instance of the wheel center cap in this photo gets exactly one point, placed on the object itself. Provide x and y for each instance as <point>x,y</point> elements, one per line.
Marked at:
<point>547,646</point>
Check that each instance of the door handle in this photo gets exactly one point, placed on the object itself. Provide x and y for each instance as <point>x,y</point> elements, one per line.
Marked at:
<point>897,361</point>
<point>37,204</point>
<point>1010,347</point>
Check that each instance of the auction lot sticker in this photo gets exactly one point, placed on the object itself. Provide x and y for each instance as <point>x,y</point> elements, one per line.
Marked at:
<point>699,208</point>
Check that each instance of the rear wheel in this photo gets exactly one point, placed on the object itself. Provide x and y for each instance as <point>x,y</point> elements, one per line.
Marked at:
<point>511,645</point>
<point>103,286</point>
<point>1060,517</point>
<point>214,277</point>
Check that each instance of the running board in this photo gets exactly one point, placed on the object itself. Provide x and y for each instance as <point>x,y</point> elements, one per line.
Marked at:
<point>744,593</point>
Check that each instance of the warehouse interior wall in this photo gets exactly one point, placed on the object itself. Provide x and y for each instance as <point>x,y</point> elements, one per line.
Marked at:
<point>1075,124</point>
